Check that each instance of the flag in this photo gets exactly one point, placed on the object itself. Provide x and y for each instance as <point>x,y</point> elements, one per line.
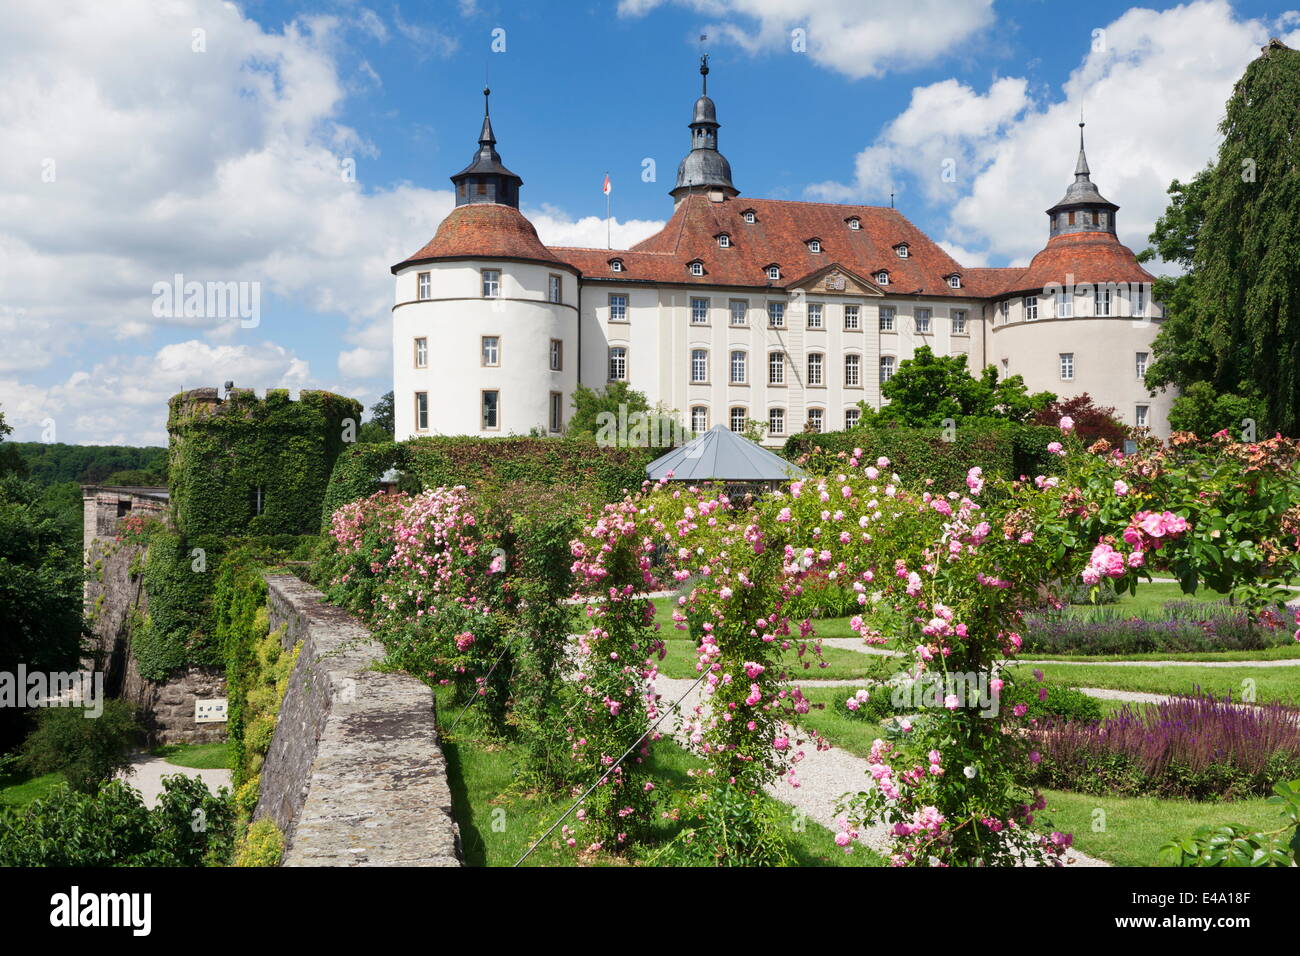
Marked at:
<point>605,188</point>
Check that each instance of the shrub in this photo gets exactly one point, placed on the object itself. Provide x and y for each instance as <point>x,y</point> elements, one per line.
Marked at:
<point>261,845</point>
<point>1235,845</point>
<point>86,751</point>
<point>189,827</point>
<point>1193,747</point>
<point>1186,626</point>
<point>1051,701</point>
<point>727,826</point>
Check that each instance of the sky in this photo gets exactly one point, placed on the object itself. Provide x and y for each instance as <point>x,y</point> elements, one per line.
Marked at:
<point>296,150</point>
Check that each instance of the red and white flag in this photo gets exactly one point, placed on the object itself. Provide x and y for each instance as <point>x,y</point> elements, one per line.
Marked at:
<point>605,188</point>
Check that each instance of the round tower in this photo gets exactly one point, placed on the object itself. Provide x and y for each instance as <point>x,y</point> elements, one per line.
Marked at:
<point>704,170</point>
<point>1081,318</point>
<point>485,325</point>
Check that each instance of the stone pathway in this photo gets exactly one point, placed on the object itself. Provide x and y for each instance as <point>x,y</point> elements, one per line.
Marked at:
<point>824,775</point>
<point>147,772</point>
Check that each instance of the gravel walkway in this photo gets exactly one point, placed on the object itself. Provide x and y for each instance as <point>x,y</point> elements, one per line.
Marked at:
<point>824,776</point>
<point>147,772</point>
<point>1129,696</point>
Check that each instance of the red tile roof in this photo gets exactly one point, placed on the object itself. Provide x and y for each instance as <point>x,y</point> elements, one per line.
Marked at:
<point>1088,257</point>
<point>487,231</point>
<point>780,235</point>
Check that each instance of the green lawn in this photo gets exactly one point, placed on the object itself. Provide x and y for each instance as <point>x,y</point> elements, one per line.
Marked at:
<point>19,789</point>
<point>1136,827</point>
<point>1149,601</point>
<point>1280,684</point>
<point>196,756</point>
<point>842,731</point>
<point>498,822</point>
<point>1284,652</point>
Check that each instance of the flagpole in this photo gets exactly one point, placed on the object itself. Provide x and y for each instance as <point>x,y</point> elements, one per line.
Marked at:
<point>609,241</point>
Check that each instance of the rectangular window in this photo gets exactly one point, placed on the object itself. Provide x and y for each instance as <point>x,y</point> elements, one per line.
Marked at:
<point>814,315</point>
<point>1031,307</point>
<point>1141,365</point>
<point>923,320</point>
<point>776,315</point>
<point>1103,299</point>
<point>738,368</point>
<point>699,311</point>
<point>553,288</point>
<point>618,308</point>
<point>421,353</point>
<point>886,319</point>
<point>1064,304</point>
<point>491,350</point>
<point>739,311</point>
<point>851,318</point>
<point>491,283</point>
<point>618,364</point>
<point>557,355</point>
<point>816,419</point>
<point>491,409</point>
<point>886,368</point>
<point>1140,416</point>
<point>738,418</point>
<point>421,411</point>
<point>852,370</point>
<point>425,280</point>
<point>851,417</point>
<point>958,321</point>
<point>815,360</point>
<point>699,419</point>
<point>1004,311</point>
<point>1139,299</point>
<point>776,368</point>
<point>699,366</point>
<point>557,412</point>
<point>776,421</point>
<point>1067,366</point>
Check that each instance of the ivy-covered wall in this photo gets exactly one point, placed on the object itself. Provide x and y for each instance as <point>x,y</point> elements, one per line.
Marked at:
<point>588,469</point>
<point>226,455</point>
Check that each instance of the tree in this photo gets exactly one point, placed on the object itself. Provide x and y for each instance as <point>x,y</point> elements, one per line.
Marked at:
<point>381,413</point>
<point>1203,411</point>
<point>1234,320</point>
<point>589,403</point>
<point>11,462</point>
<point>88,752</point>
<point>40,590</point>
<point>929,389</point>
<point>1091,421</point>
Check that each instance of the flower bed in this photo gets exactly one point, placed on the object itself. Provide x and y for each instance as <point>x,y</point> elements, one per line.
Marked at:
<point>1186,626</point>
<point>1193,747</point>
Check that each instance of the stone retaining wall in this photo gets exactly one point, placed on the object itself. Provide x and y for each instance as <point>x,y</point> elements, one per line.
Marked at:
<point>355,775</point>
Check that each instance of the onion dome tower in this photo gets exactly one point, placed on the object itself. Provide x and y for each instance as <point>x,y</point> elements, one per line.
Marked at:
<point>704,169</point>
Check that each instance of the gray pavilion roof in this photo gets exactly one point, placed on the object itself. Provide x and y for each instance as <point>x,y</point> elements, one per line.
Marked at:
<point>721,454</point>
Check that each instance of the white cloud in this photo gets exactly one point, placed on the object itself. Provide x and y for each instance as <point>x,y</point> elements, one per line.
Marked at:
<point>1152,98</point>
<point>858,38</point>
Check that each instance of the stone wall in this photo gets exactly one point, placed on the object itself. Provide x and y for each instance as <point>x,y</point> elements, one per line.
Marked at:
<point>115,600</point>
<point>355,775</point>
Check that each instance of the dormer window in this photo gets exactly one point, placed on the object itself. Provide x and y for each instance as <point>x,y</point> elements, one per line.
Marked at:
<point>697,268</point>
<point>854,222</point>
<point>902,250</point>
<point>724,241</point>
<point>774,272</point>
<point>882,278</point>
<point>954,281</point>
<point>749,216</point>
<point>814,245</point>
<point>615,265</point>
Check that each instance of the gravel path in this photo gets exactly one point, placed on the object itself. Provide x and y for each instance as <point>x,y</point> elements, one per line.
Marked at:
<point>1129,696</point>
<point>824,775</point>
<point>147,772</point>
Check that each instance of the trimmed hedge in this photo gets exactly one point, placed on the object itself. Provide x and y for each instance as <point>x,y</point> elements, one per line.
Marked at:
<point>590,471</point>
<point>1003,451</point>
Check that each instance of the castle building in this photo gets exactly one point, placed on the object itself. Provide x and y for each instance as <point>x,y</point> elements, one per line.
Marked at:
<point>740,309</point>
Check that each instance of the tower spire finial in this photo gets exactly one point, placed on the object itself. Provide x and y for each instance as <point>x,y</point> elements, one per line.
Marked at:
<point>704,73</point>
